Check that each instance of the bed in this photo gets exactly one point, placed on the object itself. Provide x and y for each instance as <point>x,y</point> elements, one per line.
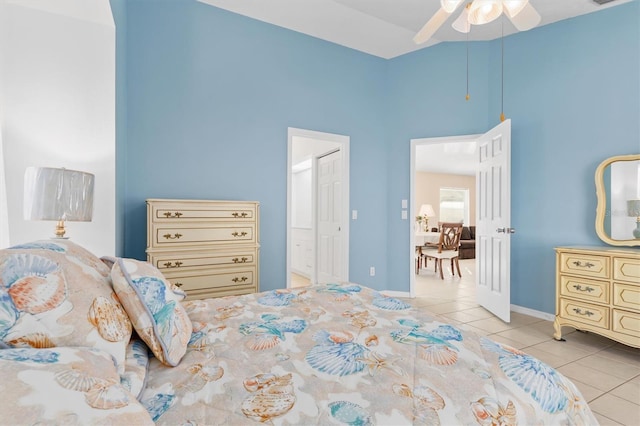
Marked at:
<point>110,341</point>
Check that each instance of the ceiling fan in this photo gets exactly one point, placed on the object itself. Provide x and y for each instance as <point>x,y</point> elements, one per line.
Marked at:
<point>478,12</point>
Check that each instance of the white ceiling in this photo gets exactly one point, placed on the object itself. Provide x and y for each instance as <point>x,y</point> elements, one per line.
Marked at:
<point>456,158</point>
<point>386,28</point>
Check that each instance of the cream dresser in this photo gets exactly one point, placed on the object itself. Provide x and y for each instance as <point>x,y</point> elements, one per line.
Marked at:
<point>207,248</point>
<point>598,290</point>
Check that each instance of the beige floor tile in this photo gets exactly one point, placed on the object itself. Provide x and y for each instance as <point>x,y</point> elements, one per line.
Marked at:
<point>623,355</point>
<point>629,391</point>
<point>460,316</point>
<point>526,335</point>
<point>478,331</point>
<point>514,344</point>
<point>522,319</point>
<point>591,340</point>
<point>563,350</point>
<point>609,366</point>
<point>479,312</point>
<point>617,409</point>
<point>544,326</point>
<point>591,377</point>
<point>605,421</point>
<point>548,358</point>
<point>492,325</point>
<point>444,308</point>
<point>588,392</point>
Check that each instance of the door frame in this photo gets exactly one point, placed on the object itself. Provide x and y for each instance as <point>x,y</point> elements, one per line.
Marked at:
<point>343,142</point>
<point>412,190</point>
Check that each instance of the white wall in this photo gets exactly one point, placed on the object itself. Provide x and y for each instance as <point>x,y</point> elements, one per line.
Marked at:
<point>57,107</point>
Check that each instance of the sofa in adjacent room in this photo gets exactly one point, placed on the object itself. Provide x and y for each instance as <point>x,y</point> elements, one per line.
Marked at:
<point>468,243</point>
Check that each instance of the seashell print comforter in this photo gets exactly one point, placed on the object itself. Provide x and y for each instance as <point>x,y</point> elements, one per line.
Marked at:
<point>345,354</point>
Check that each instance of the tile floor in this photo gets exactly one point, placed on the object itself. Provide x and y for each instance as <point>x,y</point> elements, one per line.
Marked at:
<point>606,372</point>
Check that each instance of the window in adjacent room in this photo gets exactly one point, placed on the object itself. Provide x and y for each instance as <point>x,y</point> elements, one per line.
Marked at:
<point>454,205</point>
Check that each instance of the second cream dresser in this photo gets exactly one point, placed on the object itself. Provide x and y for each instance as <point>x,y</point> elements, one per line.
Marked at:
<point>598,290</point>
<point>207,248</point>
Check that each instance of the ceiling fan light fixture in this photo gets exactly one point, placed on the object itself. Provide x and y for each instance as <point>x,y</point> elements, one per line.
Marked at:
<point>526,19</point>
<point>484,11</point>
<point>513,7</point>
<point>462,23</point>
<point>450,6</point>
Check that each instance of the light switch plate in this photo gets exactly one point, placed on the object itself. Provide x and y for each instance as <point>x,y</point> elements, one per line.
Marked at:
<point>354,214</point>
<point>404,204</point>
<point>404,214</point>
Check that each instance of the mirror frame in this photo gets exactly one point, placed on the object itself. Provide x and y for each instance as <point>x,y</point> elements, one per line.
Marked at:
<point>601,193</point>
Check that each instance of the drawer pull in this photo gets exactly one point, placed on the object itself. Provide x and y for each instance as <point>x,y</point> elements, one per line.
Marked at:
<point>579,264</point>
<point>236,214</point>
<point>173,265</point>
<point>172,237</point>
<point>170,215</point>
<point>242,260</point>
<point>239,234</point>
<point>178,284</point>
<point>580,312</point>
<point>580,288</point>
<point>239,280</point>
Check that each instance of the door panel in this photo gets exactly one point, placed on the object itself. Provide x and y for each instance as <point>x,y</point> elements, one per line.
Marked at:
<point>329,217</point>
<point>493,289</point>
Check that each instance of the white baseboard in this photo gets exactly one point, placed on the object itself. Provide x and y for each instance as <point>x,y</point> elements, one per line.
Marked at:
<point>533,313</point>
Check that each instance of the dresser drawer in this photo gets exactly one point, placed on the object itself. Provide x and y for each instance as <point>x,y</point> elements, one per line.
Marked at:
<point>584,289</point>
<point>584,264</point>
<point>212,278</point>
<point>176,211</point>
<point>181,261</point>
<point>178,235</point>
<point>585,313</point>
<point>627,323</point>
<point>626,269</point>
<point>626,296</point>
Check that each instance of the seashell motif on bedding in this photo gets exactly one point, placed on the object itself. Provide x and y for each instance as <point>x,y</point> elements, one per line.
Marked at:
<point>277,298</point>
<point>201,374</point>
<point>33,340</point>
<point>389,303</point>
<point>42,356</point>
<point>350,413</point>
<point>426,402</point>
<point>269,332</point>
<point>110,319</point>
<point>489,412</point>
<point>157,404</point>
<point>8,313</point>
<point>106,396</point>
<point>77,380</point>
<point>336,354</point>
<point>360,319</point>
<point>438,354</point>
<point>35,283</point>
<point>273,396</point>
<point>39,245</point>
<point>228,311</point>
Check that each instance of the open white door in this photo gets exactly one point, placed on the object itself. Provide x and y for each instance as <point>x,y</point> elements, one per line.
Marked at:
<point>493,221</point>
<point>329,208</point>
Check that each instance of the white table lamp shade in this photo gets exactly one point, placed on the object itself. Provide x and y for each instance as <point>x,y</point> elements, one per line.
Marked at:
<point>58,194</point>
<point>427,210</point>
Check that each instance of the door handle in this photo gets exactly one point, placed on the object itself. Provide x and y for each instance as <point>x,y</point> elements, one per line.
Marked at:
<point>506,230</point>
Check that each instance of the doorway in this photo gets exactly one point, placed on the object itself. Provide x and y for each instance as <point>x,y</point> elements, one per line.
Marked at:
<point>317,207</point>
<point>449,160</point>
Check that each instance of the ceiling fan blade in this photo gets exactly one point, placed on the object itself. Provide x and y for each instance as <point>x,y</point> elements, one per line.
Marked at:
<point>431,26</point>
<point>526,19</point>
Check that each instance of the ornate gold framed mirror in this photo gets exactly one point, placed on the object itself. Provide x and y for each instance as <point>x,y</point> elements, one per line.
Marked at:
<point>618,192</point>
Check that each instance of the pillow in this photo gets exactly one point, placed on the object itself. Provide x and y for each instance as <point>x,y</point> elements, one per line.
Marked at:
<point>55,293</point>
<point>65,386</point>
<point>466,233</point>
<point>156,312</point>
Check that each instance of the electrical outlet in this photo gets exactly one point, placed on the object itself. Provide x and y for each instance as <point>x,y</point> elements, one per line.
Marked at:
<point>372,271</point>
<point>354,214</point>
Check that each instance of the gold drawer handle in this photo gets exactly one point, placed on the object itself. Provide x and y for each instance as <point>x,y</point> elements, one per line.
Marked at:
<point>236,214</point>
<point>178,284</point>
<point>239,280</point>
<point>172,237</point>
<point>170,215</point>
<point>239,234</point>
<point>242,260</point>
<point>580,288</point>
<point>583,265</point>
<point>171,265</point>
<point>585,313</point>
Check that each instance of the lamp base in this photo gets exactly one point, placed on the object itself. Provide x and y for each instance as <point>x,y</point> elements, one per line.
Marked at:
<point>636,232</point>
<point>60,231</point>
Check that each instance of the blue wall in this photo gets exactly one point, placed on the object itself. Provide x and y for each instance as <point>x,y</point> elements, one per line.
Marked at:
<point>210,95</point>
